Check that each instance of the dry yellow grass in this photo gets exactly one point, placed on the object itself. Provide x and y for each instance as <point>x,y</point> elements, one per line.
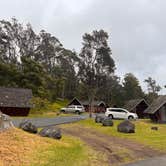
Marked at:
<point>16,147</point>
<point>19,148</point>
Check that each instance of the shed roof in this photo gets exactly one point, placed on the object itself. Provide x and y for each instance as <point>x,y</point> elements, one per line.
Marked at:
<point>131,104</point>
<point>76,101</point>
<point>95,103</point>
<point>156,105</point>
<point>86,102</point>
<point>15,97</point>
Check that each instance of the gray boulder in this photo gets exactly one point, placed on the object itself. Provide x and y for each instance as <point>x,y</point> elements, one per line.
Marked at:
<point>51,132</point>
<point>5,122</point>
<point>107,122</point>
<point>26,125</point>
<point>126,127</point>
<point>99,118</point>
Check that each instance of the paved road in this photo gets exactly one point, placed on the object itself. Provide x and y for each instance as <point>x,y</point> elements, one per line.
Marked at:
<point>156,161</point>
<point>43,122</point>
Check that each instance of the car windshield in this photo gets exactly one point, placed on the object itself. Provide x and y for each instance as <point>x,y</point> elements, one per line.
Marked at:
<point>79,106</point>
<point>70,106</point>
<point>117,110</point>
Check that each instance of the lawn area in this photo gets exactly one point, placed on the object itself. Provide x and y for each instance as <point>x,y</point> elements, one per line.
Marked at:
<point>143,134</point>
<point>21,148</point>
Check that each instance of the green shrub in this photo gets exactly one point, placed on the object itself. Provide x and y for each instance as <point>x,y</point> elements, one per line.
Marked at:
<point>40,105</point>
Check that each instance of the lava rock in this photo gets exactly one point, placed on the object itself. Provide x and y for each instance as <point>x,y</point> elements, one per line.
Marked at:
<point>126,127</point>
<point>26,125</point>
<point>107,122</point>
<point>5,122</point>
<point>154,128</point>
<point>51,132</point>
<point>99,118</point>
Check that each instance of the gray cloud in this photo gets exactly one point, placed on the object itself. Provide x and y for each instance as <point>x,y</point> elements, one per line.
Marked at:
<point>137,28</point>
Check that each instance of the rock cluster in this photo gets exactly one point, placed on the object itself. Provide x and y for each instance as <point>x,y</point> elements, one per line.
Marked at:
<point>51,132</point>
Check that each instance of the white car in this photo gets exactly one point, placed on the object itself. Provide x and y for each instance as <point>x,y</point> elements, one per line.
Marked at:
<point>78,109</point>
<point>120,113</point>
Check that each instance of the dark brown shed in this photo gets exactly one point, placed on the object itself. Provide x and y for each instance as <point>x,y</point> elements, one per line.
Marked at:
<point>75,101</point>
<point>157,110</point>
<point>98,106</point>
<point>137,106</point>
<point>15,101</point>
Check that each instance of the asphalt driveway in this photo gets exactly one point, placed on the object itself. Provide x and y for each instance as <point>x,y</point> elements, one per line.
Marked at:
<point>155,161</point>
<point>43,122</point>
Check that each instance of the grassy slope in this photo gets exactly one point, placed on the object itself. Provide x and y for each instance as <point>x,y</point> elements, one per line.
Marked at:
<point>144,134</point>
<point>53,111</point>
<point>21,148</point>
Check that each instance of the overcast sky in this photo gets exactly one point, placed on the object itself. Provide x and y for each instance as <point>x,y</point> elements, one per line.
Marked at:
<point>137,28</point>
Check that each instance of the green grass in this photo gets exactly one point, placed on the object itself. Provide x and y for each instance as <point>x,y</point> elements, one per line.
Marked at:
<point>72,152</point>
<point>143,134</point>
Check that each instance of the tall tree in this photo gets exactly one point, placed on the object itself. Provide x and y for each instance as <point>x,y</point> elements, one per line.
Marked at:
<point>34,77</point>
<point>48,50</point>
<point>152,85</point>
<point>153,89</point>
<point>132,88</point>
<point>96,62</point>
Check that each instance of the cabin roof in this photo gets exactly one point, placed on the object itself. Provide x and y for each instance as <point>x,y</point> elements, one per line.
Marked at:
<point>131,104</point>
<point>15,97</point>
<point>86,102</point>
<point>156,105</point>
<point>95,103</point>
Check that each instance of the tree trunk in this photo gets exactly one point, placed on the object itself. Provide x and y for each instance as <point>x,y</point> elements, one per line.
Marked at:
<point>91,100</point>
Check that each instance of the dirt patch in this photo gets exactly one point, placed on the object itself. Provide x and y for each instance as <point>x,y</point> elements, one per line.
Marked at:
<point>116,149</point>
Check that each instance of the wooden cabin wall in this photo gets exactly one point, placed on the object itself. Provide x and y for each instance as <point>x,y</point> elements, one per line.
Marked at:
<point>140,110</point>
<point>11,111</point>
<point>162,113</point>
<point>159,116</point>
<point>95,109</point>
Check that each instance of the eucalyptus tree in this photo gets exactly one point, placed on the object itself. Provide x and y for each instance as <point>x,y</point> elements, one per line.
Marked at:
<point>152,85</point>
<point>48,50</point>
<point>132,88</point>
<point>153,89</point>
<point>96,62</point>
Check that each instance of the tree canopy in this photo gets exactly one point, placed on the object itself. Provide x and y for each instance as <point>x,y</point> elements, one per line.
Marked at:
<point>40,62</point>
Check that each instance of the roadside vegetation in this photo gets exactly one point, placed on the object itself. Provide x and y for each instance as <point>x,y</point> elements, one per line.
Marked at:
<point>44,108</point>
<point>144,134</point>
<point>21,148</point>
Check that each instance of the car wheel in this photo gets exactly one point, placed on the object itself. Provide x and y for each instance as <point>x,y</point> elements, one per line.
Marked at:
<point>110,116</point>
<point>62,111</point>
<point>78,112</point>
<point>130,117</point>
